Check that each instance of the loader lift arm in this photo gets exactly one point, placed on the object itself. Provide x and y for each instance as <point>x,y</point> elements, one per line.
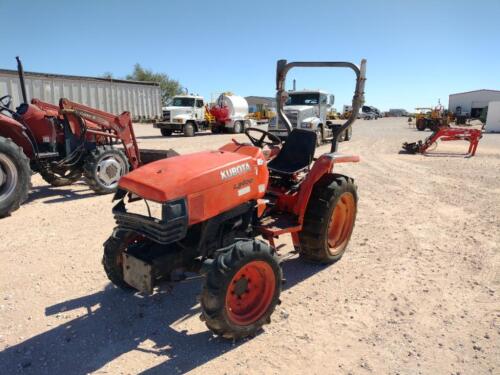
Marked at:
<point>108,125</point>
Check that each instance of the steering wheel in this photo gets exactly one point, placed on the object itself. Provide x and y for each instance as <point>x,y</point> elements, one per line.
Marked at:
<point>259,142</point>
<point>5,102</point>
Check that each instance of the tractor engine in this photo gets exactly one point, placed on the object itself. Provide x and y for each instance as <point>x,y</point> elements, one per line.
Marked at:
<point>42,128</point>
<point>188,207</point>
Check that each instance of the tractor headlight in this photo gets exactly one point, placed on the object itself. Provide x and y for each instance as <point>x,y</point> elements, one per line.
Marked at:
<point>179,120</point>
<point>306,125</point>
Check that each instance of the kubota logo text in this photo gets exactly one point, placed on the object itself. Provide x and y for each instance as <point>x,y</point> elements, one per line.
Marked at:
<point>234,171</point>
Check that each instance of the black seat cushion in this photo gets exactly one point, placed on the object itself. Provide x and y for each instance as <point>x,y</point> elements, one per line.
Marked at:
<point>296,154</point>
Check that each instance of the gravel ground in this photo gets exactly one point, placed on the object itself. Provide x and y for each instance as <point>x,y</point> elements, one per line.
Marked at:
<point>416,292</point>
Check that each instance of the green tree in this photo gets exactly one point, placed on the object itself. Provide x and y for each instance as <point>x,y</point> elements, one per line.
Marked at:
<point>169,87</point>
<point>107,75</point>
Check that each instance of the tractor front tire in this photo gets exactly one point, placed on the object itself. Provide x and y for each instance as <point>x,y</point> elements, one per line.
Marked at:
<point>241,290</point>
<point>64,179</point>
<point>15,176</point>
<point>166,132</point>
<point>103,168</point>
<point>112,259</point>
<point>189,130</point>
<point>329,219</point>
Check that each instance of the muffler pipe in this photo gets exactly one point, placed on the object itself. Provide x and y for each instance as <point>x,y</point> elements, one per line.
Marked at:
<point>20,72</point>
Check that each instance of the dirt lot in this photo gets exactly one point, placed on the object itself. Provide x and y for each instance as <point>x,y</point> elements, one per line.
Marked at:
<point>416,292</point>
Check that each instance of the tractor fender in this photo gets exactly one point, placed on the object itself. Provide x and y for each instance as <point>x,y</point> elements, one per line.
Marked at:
<point>10,128</point>
<point>323,166</point>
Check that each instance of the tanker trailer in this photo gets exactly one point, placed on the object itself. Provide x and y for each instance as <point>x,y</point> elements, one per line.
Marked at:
<point>230,113</point>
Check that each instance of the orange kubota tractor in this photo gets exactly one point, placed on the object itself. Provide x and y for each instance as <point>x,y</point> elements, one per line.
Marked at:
<point>63,143</point>
<point>203,211</point>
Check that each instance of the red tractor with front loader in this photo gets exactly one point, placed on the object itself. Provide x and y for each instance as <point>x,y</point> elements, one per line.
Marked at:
<point>63,143</point>
<point>207,212</point>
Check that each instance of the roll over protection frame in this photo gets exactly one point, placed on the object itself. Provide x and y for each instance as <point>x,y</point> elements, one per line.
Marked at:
<point>358,99</point>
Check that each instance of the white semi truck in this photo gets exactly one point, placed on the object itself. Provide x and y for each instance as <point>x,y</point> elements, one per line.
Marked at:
<point>308,109</point>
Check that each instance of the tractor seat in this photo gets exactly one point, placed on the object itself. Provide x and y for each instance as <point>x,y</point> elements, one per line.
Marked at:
<point>296,154</point>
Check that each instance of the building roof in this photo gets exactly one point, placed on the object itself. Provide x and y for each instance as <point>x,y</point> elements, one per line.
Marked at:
<point>80,78</point>
<point>468,92</point>
<point>261,97</point>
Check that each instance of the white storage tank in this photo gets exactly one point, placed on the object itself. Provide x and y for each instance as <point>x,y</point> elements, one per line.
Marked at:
<point>237,105</point>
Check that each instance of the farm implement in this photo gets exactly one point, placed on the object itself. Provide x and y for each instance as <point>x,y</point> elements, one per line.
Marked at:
<point>446,134</point>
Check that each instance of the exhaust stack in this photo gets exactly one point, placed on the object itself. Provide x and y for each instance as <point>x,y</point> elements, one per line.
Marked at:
<point>20,72</point>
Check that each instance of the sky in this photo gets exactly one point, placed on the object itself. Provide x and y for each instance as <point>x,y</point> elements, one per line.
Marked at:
<point>418,51</point>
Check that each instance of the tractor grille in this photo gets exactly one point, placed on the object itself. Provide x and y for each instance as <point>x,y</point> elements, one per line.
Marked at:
<point>166,115</point>
<point>159,230</point>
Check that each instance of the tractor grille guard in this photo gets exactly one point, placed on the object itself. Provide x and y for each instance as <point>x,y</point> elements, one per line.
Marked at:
<point>164,231</point>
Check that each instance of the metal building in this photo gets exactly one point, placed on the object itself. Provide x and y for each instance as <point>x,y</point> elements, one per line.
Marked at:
<point>141,99</point>
<point>257,103</point>
<point>472,102</point>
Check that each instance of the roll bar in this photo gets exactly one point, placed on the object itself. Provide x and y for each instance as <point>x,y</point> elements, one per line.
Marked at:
<point>358,99</point>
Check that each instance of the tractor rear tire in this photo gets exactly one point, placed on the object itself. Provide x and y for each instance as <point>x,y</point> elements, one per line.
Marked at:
<point>55,179</point>
<point>241,290</point>
<point>329,219</point>
<point>189,130</point>
<point>112,259</point>
<point>15,176</point>
<point>103,168</point>
<point>421,125</point>
<point>166,132</point>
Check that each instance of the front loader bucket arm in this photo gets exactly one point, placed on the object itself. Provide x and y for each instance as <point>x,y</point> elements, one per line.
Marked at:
<point>107,125</point>
<point>357,101</point>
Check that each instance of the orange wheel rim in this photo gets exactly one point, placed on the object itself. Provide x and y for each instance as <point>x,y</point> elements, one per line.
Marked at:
<point>341,223</point>
<point>250,292</point>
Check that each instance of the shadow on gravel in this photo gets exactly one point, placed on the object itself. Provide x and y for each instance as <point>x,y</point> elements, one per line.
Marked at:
<point>117,322</point>
<point>59,194</point>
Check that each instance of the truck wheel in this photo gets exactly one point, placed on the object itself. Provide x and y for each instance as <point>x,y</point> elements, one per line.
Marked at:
<point>112,259</point>
<point>238,127</point>
<point>348,134</point>
<point>242,288</point>
<point>319,137</point>
<point>62,178</point>
<point>103,168</point>
<point>189,129</point>
<point>15,176</point>
<point>420,125</point>
<point>329,219</point>
<point>166,132</point>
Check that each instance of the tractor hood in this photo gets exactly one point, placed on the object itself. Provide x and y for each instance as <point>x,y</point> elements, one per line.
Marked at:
<point>181,176</point>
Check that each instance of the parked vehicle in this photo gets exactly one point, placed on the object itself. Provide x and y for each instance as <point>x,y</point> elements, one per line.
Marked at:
<point>220,212</point>
<point>185,114</point>
<point>230,114</point>
<point>308,109</point>
<point>63,143</point>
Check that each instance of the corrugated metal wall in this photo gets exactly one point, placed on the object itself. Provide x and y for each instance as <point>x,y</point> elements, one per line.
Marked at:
<point>142,100</point>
